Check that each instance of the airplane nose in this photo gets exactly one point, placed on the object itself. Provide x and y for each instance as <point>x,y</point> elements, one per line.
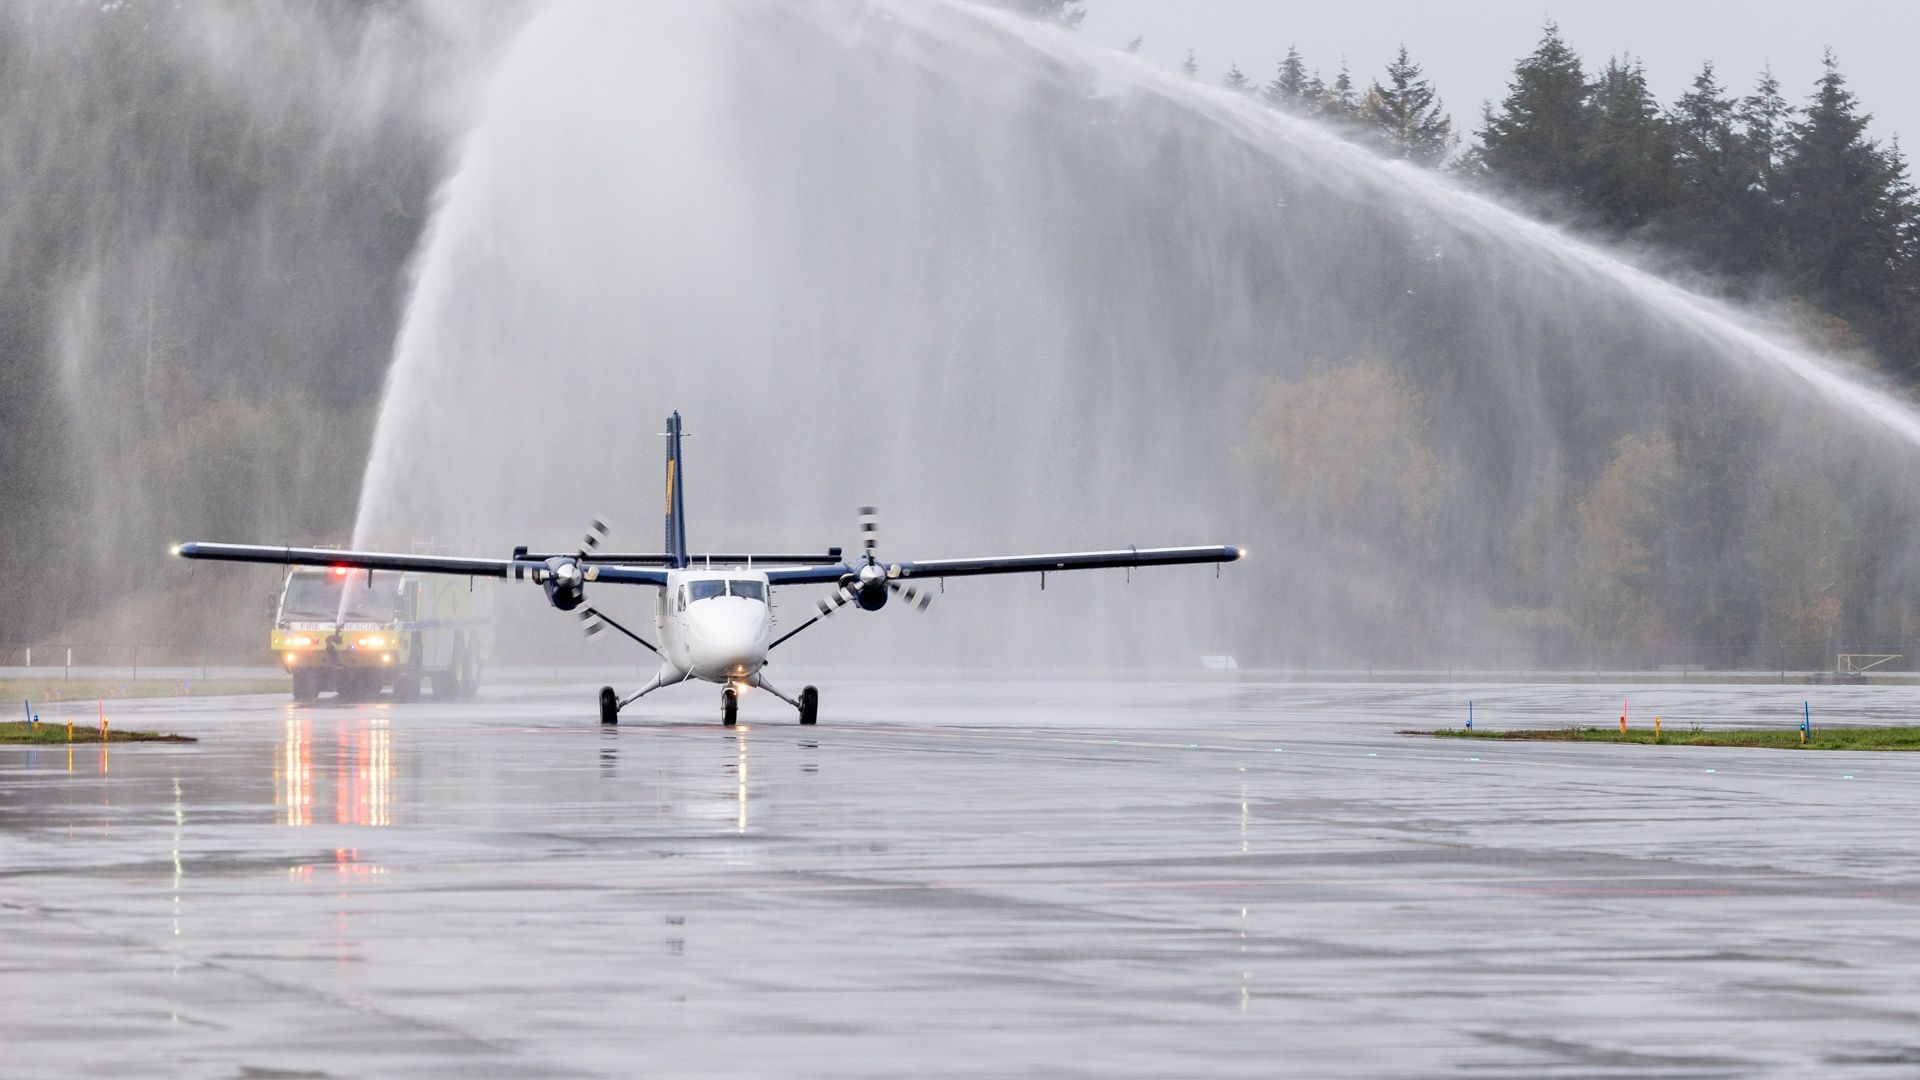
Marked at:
<point>723,634</point>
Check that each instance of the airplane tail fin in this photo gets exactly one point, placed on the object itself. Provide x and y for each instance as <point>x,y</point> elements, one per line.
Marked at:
<point>676,506</point>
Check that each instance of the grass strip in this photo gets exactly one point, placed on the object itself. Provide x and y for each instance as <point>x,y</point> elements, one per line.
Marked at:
<point>1824,738</point>
<point>55,734</point>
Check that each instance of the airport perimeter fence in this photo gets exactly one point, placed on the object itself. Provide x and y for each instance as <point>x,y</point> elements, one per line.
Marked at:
<point>127,660</point>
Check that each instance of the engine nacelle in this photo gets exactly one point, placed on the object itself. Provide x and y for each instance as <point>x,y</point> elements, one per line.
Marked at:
<point>565,584</point>
<point>868,587</point>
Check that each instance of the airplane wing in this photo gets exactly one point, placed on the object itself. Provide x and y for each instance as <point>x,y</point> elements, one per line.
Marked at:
<point>830,557</point>
<point>424,564</point>
<point>1017,564</point>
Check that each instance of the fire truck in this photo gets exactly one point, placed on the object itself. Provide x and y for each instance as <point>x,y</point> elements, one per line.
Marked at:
<point>357,633</point>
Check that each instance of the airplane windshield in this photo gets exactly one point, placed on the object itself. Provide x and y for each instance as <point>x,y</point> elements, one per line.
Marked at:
<point>319,596</point>
<point>746,589</point>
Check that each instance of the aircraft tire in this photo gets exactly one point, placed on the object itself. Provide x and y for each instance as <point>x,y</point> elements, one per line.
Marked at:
<point>609,706</point>
<point>809,705</point>
<point>306,686</point>
<point>729,707</point>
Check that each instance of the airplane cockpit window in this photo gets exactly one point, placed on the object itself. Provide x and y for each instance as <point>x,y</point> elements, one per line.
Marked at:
<point>703,590</point>
<point>751,590</point>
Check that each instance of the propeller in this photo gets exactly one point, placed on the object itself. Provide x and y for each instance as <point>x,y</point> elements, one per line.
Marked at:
<point>565,582</point>
<point>870,585</point>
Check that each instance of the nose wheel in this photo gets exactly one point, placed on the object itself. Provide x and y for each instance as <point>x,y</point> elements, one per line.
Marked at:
<point>729,706</point>
<point>809,705</point>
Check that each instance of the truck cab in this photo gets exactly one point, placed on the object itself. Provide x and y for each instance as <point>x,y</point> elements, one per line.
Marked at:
<point>358,633</point>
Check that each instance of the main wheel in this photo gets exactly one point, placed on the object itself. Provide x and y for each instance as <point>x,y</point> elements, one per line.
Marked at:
<point>809,705</point>
<point>729,707</point>
<point>306,686</point>
<point>609,706</point>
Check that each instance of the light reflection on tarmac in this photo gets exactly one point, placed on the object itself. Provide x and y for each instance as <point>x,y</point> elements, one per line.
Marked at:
<point>990,879</point>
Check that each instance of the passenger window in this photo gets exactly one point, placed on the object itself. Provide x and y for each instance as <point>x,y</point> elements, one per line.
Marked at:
<point>751,590</point>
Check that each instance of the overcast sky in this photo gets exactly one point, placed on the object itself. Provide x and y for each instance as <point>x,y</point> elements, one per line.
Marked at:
<point>1469,48</point>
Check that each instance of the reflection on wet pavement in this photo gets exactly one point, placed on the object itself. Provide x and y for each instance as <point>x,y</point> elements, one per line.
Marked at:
<point>1142,879</point>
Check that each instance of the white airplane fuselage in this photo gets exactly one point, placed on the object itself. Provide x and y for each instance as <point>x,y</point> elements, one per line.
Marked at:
<point>714,625</point>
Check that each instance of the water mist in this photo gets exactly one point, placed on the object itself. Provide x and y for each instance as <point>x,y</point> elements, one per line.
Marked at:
<point>1025,294</point>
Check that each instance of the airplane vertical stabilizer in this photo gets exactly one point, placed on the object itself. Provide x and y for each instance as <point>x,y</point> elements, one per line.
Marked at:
<point>676,505</point>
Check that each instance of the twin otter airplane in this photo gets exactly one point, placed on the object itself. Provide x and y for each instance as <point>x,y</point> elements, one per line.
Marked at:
<point>714,620</point>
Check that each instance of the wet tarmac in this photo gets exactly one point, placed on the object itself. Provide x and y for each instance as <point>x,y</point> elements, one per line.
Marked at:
<point>983,879</point>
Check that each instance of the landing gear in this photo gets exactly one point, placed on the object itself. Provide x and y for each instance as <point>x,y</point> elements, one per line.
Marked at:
<point>609,706</point>
<point>808,702</point>
<point>729,706</point>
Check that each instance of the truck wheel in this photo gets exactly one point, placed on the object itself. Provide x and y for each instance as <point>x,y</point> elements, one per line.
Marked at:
<point>462,678</point>
<point>306,686</point>
<point>406,686</point>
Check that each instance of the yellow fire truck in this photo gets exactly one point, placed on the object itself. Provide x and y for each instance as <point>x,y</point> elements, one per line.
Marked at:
<point>357,633</point>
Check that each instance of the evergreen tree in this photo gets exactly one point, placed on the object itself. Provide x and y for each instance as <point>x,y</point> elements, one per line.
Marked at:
<point>1626,166</point>
<point>1717,182</point>
<point>1765,121</point>
<point>1237,81</point>
<point>1289,88</point>
<point>1847,213</point>
<point>1190,67</point>
<point>1765,117</point>
<point>1407,116</point>
<point>1536,137</point>
<point>1316,95</point>
<point>1339,101</point>
<point>1134,45</point>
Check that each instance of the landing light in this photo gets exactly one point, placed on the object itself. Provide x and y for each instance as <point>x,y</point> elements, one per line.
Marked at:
<point>339,571</point>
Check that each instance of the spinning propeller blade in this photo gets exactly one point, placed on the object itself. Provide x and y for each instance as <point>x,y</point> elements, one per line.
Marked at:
<point>595,533</point>
<point>918,598</point>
